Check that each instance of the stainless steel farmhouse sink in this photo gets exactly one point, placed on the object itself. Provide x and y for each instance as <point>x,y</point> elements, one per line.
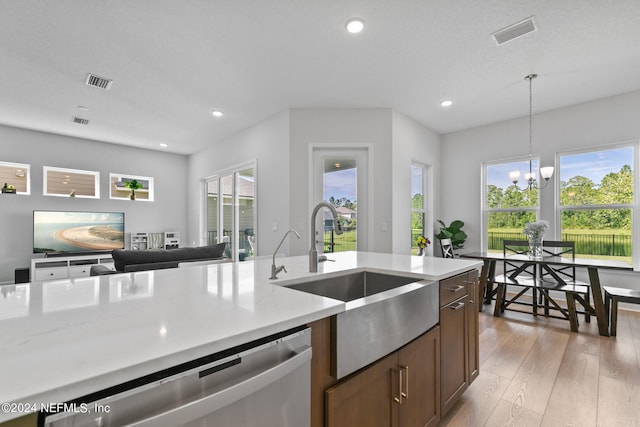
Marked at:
<point>382,313</point>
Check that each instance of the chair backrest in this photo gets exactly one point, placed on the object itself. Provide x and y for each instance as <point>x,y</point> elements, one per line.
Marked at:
<point>514,268</point>
<point>558,248</point>
<point>447,248</point>
<point>252,242</point>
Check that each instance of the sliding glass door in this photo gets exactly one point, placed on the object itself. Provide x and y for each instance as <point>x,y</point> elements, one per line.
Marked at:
<point>230,212</point>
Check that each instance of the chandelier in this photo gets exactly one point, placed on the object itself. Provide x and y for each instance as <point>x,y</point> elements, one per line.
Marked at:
<point>545,172</point>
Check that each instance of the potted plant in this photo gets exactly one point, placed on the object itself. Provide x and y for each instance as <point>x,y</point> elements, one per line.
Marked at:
<point>8,189</point>
<point>453,232</point>
<point>133,185</point>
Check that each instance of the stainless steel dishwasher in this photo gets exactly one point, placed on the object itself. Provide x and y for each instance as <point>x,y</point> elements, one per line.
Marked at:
<point>263,383</point>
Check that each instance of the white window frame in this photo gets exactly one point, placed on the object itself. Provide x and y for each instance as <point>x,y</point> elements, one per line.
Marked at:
<point>234,172</point>
<point>485,210</point>
<point>424,211</point>
<point>634,206</point>
<point>120,176</point>
<point>27,175</point>
<point>45,174</point>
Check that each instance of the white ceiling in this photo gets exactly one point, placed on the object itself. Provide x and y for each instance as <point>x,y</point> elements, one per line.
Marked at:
<point>174,61</point>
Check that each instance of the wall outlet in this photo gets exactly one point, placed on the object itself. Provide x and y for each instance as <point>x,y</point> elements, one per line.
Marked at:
<point>274,226</point>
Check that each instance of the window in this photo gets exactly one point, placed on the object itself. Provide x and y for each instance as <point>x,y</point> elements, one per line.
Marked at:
<point>71,183</point>
<point>231,212</point>
<point>597,201</point>
<point>418,203</point>
<point>507,208</point>
<point>16,175</point>
<point>120,187</point>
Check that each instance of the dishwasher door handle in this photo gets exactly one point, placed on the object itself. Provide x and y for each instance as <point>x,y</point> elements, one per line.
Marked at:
<point>201,407</point>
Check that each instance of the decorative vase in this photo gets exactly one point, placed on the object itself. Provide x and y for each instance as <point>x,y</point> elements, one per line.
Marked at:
<point>535,246</point>
<point>132,196</point>
<point>420,251</point>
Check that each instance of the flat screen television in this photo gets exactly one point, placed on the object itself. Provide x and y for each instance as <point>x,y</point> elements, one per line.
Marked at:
<point>60,232</point>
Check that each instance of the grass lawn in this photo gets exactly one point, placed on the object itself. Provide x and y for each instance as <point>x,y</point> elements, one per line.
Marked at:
<point>568,231</point>
<point>344,242</point>
<point>582,237</point>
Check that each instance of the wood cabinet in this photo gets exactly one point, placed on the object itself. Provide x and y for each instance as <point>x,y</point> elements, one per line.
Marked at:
<point>473,317</point>
<point>401,389</point>
<point>437,368</point>
<point>458,336</point>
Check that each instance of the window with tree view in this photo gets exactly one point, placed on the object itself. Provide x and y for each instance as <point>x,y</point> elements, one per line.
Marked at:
<point>507,207</point>
<point>597,202</point>
<point>418,211</point>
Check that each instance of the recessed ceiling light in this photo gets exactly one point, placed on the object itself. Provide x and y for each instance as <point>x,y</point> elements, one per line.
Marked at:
<point>446,103</point>
<point>354,25</point>
<point>164,145</point>
<point>217,113</point>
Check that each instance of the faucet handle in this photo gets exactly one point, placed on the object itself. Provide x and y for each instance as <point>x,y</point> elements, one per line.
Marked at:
<point>283,269</point>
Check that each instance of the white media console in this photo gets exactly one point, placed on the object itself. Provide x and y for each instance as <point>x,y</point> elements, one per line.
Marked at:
<point>65,267</point>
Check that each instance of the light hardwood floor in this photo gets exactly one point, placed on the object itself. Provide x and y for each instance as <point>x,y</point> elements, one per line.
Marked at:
<point>535,372</point>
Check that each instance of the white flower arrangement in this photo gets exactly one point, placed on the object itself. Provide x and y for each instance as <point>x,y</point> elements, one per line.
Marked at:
<point>535,230</point>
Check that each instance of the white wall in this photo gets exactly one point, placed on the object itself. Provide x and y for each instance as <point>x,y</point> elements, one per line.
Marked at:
<point>167,213</point>
<point>605,121</point>
<point>281,146</point>
<point>413,142</point>
<point>267,143</point>
<point>341,126</point>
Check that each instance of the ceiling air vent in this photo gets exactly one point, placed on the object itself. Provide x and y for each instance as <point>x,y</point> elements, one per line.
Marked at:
<point>514,31</point>
<point>80,121</point>
<point>97,81</point>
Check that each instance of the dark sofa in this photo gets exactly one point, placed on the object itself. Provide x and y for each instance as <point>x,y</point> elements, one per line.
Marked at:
<point>127,260</point>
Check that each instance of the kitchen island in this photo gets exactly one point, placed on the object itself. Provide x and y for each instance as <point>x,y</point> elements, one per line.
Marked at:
<point>67,338</point>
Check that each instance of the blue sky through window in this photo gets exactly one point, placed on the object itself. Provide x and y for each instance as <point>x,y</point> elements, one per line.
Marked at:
<point>416,180</point>
<point>341,183</point>
<point>593,165</point>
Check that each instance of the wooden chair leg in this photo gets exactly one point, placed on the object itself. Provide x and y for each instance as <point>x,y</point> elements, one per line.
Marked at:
<point>614,317</point>
<point>587,316</point>
<point>499,300</point>
<point>573,315</point>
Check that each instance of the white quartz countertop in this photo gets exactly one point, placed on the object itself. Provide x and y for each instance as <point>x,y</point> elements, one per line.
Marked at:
<point>63,339</point>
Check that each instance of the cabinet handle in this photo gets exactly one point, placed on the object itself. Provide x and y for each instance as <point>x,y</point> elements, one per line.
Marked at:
<point>400,387</point>
<point>406,383</point>
<point>398,399</point>
<point>457,288</point>
<point>457,306</point>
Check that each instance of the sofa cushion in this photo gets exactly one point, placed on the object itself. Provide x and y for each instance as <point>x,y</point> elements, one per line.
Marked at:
<point>125,257</point>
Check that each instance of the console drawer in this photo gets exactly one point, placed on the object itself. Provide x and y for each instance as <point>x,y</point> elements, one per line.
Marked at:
<point>453,288</point>
<point>79,270</point>
<point>51,273</point>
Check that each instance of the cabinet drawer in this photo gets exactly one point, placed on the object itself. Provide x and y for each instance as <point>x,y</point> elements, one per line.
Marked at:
<point>51,273</point>
<point>453,288</point>
<point>79,270</point>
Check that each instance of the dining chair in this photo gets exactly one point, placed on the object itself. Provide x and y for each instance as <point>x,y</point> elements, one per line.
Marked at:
<point>516,273</point>
<point>560,278</point>
<point>447,248</point>
<point>612,296</point>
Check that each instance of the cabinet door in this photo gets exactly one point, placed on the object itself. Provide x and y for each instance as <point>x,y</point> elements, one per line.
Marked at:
<point>472,329</point>
<point>453,352</point>
<point>366,398</point>
<point>420,362</point>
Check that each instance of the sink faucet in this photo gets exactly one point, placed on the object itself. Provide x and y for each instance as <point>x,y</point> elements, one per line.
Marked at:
<point>275,270</point>
<point>337,227</point>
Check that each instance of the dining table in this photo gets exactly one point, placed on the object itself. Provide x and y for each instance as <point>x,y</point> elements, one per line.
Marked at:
<point>595,307</point>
